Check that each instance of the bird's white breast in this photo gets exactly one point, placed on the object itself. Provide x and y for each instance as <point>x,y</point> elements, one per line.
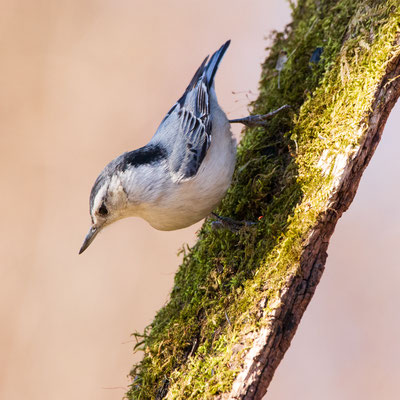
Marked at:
<point>184,203</point>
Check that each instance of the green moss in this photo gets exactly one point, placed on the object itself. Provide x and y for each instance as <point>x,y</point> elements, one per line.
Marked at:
<point>285,174</point>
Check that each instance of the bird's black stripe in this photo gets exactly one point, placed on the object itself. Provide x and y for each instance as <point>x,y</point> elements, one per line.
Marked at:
<point>145,155</point>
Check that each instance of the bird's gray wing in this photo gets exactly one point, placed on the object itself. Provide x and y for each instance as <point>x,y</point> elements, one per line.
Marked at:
<point>185,132</point>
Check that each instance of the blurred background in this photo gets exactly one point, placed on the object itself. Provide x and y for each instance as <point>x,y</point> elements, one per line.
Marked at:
<point>83,81</point>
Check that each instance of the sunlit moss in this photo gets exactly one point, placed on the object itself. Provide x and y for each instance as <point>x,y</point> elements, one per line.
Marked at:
<point>284,177</point>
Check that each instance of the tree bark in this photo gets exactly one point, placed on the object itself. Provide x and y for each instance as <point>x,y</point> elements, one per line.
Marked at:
<point>238,299</point>
<point>273,341</point>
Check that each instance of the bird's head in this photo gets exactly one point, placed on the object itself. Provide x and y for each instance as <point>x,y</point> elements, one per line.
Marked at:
<point>126,186</point>
<point>108,203</point>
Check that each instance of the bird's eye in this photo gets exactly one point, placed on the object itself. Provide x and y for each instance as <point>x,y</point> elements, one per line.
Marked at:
<point>103,210</point>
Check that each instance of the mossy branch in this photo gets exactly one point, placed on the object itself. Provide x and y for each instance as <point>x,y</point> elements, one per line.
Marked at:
<point>238,298</point>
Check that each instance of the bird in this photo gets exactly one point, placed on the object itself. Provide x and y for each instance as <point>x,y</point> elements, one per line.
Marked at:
<point>184,171</point>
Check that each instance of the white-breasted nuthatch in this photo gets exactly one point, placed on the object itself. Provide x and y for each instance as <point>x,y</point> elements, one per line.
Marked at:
<point>182,174</point>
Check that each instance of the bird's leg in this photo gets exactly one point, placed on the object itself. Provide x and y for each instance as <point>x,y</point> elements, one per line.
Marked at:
<point>258,120</point>
<point>229,223</point>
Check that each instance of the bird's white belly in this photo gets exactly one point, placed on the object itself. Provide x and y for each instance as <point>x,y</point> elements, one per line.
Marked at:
<point>187,202</point>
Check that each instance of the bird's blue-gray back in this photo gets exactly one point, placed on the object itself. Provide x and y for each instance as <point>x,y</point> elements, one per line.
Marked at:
<point>185,132</point>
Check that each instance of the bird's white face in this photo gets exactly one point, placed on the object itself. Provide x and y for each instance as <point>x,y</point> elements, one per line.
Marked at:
<point>109,205</point>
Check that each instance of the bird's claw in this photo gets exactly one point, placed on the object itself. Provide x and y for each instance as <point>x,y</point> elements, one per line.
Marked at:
<point>258,120</point>
<point>229,223</point>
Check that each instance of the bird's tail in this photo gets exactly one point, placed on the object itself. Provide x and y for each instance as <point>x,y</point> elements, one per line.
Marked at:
<point>212,65</point>
<point>208,69</point>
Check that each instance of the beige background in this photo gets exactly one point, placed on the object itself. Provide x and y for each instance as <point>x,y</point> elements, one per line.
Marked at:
<point>83,81</point>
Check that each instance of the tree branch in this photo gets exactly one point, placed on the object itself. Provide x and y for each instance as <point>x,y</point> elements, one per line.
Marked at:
<point>273,340</point>
<point>238,298</point>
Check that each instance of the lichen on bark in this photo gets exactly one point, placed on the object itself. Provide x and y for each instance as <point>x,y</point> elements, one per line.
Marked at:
<point>238,298</point>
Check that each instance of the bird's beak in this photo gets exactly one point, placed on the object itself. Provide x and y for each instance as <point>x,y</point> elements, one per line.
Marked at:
<point>93,231</point>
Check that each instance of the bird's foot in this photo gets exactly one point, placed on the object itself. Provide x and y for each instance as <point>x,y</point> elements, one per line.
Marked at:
<point>229,223</point>
<point>258,120</point>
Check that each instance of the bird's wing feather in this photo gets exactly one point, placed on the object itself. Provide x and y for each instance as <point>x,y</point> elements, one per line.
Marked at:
<point>186,129</point>
<point>192,124</point>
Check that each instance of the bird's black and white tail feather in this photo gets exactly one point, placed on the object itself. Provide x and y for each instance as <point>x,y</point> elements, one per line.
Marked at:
<point>212,65</point>
<point>208,69</point>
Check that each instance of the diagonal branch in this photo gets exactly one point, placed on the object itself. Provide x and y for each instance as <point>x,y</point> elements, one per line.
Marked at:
<point>273,340</point>
<point>239,297</point>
